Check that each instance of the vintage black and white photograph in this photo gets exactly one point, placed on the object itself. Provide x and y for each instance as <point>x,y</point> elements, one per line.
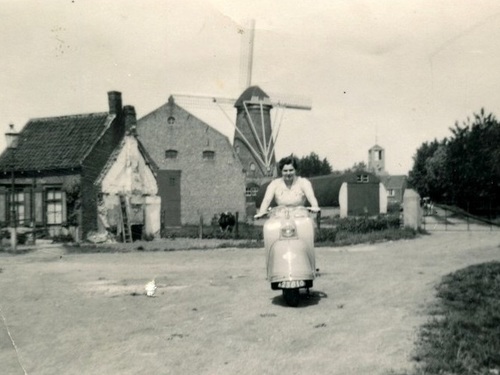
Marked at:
<point>226,187</point>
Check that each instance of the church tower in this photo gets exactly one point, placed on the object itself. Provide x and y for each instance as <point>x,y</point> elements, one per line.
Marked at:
<point>376,160</point>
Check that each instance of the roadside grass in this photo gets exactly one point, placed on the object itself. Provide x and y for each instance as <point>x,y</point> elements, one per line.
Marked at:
<point>334,238</point>
<point>463,334</point>
<point>325,237</point>
<point>338,232</point>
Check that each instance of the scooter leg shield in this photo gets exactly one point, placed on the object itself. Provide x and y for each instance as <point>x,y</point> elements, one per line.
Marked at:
<point>290,260</point>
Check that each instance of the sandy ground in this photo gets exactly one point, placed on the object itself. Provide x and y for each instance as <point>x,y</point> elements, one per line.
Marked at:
<point>214,312</point>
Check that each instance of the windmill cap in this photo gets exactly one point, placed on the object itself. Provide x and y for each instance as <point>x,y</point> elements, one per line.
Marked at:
<point>253,94</point>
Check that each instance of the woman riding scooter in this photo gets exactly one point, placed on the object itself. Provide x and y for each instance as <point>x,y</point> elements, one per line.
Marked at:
<point>289,233</point>
<point>290,190</point>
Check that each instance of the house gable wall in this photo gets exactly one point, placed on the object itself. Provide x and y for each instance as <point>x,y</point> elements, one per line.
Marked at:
<point>208,185</point>
<point>92,167</point>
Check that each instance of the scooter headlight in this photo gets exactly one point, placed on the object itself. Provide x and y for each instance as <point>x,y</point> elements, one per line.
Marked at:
<point>288,230</point>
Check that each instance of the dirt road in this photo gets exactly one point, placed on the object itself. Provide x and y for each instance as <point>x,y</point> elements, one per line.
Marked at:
<point>214,312</point>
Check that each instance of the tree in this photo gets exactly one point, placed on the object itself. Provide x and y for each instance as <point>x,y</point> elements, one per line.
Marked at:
<point>418,176</point>
<point>311,165</point>
<point>438,182</point>
<point>357,167</point>
<point>473,160</point>
<point>464,168</point>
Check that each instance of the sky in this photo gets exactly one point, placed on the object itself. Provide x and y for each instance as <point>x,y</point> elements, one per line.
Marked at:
<point>392,73</point>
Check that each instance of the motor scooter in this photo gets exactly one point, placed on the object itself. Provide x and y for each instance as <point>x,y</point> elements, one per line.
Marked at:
<point>289,244</point>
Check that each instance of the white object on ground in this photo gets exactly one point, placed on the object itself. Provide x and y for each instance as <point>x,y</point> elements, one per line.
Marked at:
<point>150,288</point>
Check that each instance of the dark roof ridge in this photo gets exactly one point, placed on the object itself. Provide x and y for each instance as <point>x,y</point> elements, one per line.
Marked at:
<point>92,114</point>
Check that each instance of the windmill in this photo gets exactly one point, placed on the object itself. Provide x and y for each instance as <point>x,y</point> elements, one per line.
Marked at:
<point>255,134</point>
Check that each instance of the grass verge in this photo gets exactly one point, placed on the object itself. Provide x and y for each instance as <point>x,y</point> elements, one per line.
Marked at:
<point>335,238</point>
<point>463,336</point>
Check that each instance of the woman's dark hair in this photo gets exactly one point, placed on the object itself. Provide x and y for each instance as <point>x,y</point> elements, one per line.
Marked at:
<point>288,160</point>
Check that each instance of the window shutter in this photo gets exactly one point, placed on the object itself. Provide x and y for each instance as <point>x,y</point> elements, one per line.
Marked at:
<point>38,214</point>
<point>27,206</point>
<point>3,206</point>
<point>64,208</point>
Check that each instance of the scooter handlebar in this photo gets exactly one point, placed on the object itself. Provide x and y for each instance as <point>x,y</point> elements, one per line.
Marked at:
<point>264,214</point>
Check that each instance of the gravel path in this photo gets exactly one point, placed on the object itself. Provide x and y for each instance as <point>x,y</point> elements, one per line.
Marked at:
<point>214,312</point>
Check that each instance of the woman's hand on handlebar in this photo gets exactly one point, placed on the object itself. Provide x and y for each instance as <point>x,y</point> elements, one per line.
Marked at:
<point>260,215</point>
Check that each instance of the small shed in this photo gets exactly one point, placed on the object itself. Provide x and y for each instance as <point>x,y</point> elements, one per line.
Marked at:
<point>362,194</point>
<point>128,199</point>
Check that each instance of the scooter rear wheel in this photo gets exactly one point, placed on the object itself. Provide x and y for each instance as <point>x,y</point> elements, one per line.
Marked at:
<point>291,296</point>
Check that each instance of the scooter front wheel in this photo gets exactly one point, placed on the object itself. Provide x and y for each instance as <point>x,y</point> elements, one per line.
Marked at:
<point>291,296</point>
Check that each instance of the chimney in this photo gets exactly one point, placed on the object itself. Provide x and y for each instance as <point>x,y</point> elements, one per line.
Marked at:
<point>129,119</point>
<point>115,102</point>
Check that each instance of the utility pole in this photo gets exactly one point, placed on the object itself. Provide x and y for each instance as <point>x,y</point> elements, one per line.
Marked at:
<point>12,140</point>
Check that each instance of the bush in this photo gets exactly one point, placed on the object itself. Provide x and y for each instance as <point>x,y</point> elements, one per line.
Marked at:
<point>326,235</point>
<point>245,232</point>
<point>394,208</point>
<point>148,237</point>
<point>20,236</point>
<point>62,238</point>
<point>367,224</point>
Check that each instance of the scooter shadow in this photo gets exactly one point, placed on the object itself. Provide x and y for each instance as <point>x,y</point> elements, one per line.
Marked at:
<point>306,300</point>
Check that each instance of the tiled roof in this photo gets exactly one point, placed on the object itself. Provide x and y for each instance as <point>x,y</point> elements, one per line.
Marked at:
<point>55,142</point>
<point>394,182</point>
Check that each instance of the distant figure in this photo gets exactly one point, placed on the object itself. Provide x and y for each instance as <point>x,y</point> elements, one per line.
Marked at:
<point>428,206</point>
<point>226,222</point>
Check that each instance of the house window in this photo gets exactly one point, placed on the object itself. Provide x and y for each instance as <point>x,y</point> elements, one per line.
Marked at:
<point>208,155</point>
<point>54,203</point>
<point>171,120</point>
<point>391,192</point>
<point>378,155</point>
<point>362,178</point>
<point>18,205</point>
<point>251,191</point>
<point>171,154</point>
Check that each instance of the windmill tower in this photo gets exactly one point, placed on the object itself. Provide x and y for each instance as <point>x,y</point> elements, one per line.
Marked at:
<point>255,133</point>
<point>253,140</point>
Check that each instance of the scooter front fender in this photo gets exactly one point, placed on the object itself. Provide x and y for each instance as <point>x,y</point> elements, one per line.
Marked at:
<point>290,259</point>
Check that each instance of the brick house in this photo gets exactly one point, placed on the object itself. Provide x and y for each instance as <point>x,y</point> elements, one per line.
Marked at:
<point>55,165</point>
<point>395,186</point>
<point>199,174</point>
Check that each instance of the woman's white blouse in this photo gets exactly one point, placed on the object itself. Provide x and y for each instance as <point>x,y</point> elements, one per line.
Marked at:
<point>295,195</point>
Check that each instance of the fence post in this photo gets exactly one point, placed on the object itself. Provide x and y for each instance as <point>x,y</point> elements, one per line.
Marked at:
<point>200,229</point>
<point>318,219</point>
<point>490,216</point>
<point>468,213</point>
<point>237,225</point>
